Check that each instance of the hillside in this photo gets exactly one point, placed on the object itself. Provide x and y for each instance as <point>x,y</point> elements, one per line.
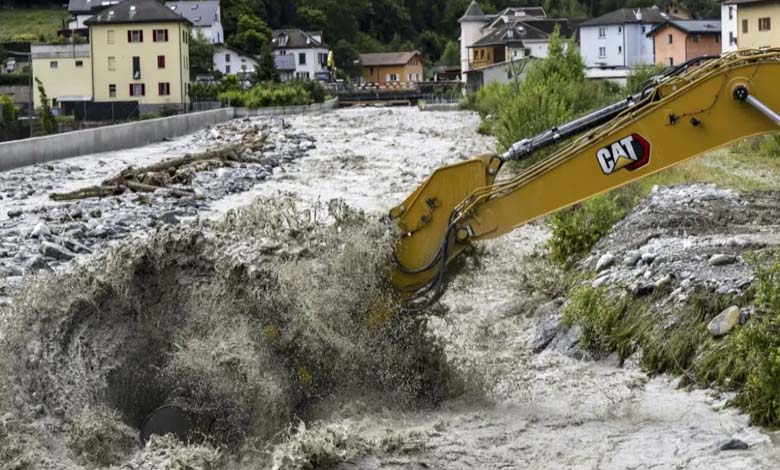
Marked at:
<point>30,24</point>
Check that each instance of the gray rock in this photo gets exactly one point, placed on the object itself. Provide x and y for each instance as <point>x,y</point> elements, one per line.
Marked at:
<point>724,322</point>
<point>734,444</point>
<point>169,218</point>
<point>550,324</point>
<point>631,259</point>
<point>606,260</point>
<point>722,260</point>
<point>649,257</point>
<point>55,251</point>
<point>37,263</point>
<point>600,281</point>
<point>40,231</point>
<point>14,213</point>
<point>663,282</point>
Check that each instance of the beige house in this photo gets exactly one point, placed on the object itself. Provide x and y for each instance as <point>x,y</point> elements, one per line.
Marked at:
<point>758,23</point>
<point>392,67</point>
<point>65,71</point>
<point>140,52</point>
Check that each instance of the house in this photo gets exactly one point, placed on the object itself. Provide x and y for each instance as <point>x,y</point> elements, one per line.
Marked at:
<point>728,26</point>
<point>392,67</point>
<point>675,8</point>
<point>206,17</point>
<point>82,10</point>
<point>140,52</point>
<point>677,41</point>
<point>618,40</point>
<point>231,61</point>
<point>758,23</point>
<point>308,48</point>
<point>65,71</point>
<point>512,34</point>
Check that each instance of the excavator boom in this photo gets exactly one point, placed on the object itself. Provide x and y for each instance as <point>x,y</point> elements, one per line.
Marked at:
<point>686,112</point>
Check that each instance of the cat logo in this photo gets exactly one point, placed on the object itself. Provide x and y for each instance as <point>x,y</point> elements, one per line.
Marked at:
<point>630,152</point>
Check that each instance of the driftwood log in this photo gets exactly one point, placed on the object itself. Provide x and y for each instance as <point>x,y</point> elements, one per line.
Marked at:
<point>178,171</point>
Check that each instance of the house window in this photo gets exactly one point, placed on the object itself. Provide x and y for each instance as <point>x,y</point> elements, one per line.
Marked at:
<point>160,61</point>
<point>110,36</point>
<point>602,52</point>
<point>112,90</point>
<point>137,89</point>
<point>744,26</point>
<point>55,103</point>
<point>302,58</point>
<point>717,39</point>
<point>302,75</point>
<point>731,13</point>
<point>696,37</point>
<point>54,64</point>
<point>669,39</point>
<point>670,61</point>
<point>602,32</point>
<point>644,29</point>
<point>392,77</point>
<point>160,35</point>
<point>135,35</point>
<point>620,29</point>
<point>620,49</point>
<point>732,39</point>
<point>227,58</point>
<point>164,89</point>
<point>227,68</point>
<point>136,68</point>
<point>112,63</point>
<point>323,59</point>
<point>764,24</point>
<point>185,36</point>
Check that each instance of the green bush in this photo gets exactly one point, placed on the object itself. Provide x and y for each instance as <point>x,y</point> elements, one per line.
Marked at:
<point>599,315</point>
<point>266,95</point>
<point>639,77</point>
<point>15,79</point>
<point>759,344</point>
<point>314,88</point>
<point>575,230</point>
<point>10,113</point>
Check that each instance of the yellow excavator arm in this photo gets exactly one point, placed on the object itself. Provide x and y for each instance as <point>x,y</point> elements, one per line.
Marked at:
<point>693,109</point>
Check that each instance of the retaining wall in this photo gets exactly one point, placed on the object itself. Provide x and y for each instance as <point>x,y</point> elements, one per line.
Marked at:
<point>20,153</point>
<point>286,110</point>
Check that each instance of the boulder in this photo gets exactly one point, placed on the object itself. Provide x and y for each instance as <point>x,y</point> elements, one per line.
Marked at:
<point>724,322</point>
<point>606,260</point>
<point>631,259</point>
<point>722,260</point>
<point>649,257</point>
<point>734,444</point>
<point>55,251</point>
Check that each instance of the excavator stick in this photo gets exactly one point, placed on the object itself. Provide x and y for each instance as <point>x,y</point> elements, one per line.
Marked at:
<point>424,219</point>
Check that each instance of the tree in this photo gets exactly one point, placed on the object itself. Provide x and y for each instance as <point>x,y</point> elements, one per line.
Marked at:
<point>266,68</point>
<point>45,116</point>
<point>346,57</point>
<point>252,33</point>
<point>9,113</point>
<point>201,55</point>
<point>451,54</point>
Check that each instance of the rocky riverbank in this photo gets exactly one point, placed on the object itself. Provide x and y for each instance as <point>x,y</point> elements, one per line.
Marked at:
<point>37,234</point>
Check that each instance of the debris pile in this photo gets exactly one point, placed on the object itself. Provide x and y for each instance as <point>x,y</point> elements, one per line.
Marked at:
<point>244,324</point>
<point>244,153</point>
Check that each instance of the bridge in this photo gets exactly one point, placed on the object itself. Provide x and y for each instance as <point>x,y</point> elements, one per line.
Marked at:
<point>398,94</point>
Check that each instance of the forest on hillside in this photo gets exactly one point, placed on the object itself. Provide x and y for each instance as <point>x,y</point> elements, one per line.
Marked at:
<point>353,26</point>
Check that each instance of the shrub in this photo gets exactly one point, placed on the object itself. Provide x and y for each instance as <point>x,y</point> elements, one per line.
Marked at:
<point>639,77</point>
<point>599,316</point>
<point>9,109</point>
<point>759,345</point>
<point>314,88</point>
<point>233,98</point>
<point>575,230</point>
<point>266,95</point>
<point>15,79</point>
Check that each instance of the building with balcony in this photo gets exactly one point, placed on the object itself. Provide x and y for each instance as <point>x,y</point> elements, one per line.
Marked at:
<point>308,48</point>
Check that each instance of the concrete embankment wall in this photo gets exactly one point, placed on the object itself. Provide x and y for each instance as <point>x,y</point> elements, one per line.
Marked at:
<point>286,110</point>
<point>26,152</point>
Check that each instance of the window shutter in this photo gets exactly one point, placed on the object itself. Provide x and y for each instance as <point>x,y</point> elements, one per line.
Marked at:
<point>143,89</point>
<point>159,88</point>
<point>131,90</point>
<point>154,35</point>
<point>166,35</point>
<point>141,35</point>
<point>129,36</point>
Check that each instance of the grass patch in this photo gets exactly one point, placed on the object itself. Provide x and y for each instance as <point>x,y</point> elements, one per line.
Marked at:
<point>30,24</point>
